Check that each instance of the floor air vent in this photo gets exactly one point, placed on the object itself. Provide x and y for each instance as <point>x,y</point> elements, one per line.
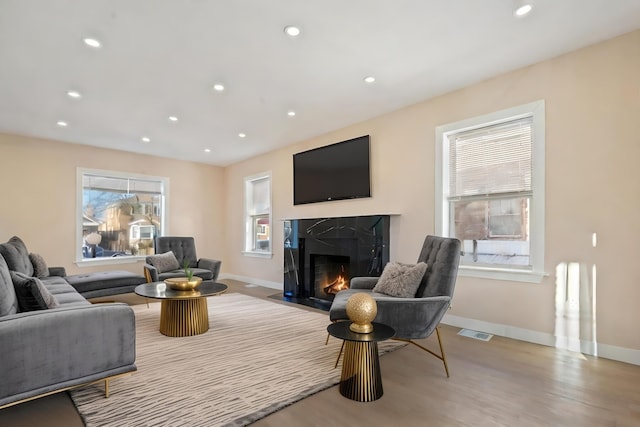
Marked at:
<point>475,334</point>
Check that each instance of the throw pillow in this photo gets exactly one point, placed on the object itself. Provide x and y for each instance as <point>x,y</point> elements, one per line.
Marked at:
<point>400,280</point>
<point>8,298</point>
<point>16,255</point>
<point>32,294</point>
<point>40,268</point>
<point>164,262</point>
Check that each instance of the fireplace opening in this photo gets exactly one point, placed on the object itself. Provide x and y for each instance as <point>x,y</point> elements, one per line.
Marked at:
<point>330,275</point>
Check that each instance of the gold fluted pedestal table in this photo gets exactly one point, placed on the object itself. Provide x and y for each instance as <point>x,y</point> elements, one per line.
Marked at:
<point>182,313</point>
<point>361,379</point>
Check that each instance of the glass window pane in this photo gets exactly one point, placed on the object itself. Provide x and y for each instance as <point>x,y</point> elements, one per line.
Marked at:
<point>120,216</point>
<point>494,231</point>
<point>261,233</point>
<point>258,213</point>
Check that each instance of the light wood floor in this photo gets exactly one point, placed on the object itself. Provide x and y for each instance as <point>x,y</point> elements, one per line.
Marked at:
<point>502,382</point>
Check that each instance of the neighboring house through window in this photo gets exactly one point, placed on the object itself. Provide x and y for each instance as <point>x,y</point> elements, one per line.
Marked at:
<point>119,214</point>
<point>490,192</point>
<point>257,208</point>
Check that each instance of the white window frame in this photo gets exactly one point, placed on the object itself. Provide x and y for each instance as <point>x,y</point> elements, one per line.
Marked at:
<point>80,172</point>
<point>248,218</point>
<point>535,110</point>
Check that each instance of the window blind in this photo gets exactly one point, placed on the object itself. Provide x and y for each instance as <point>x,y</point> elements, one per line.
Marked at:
<point>121,185</point>
<point>494,159</point>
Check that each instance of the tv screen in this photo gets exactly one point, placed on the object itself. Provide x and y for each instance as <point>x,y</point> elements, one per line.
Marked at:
<point>334,172</point>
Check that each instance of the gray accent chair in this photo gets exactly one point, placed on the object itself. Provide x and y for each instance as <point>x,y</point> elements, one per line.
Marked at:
<point>184,248</point>
<point>413,318</point>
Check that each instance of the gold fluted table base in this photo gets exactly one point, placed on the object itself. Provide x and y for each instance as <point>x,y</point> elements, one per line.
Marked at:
<point>361,379</point>
<point>184,317</point>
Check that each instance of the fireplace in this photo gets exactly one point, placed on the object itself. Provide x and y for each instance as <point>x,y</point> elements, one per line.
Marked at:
<point>321,255</point>
<point>330,275</point>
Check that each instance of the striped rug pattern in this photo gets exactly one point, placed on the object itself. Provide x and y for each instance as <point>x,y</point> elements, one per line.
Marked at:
<point>257,357</point>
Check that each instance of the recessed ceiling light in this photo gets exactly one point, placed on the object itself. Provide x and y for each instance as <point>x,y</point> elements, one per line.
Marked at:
<point>242,135</point>
<point>207,150</point>
<point>173,119</point>
<point>145,139</point>
<point>291,113</point>
<point>74,94</point>
<point>62,124</point>
<point>522,9</point>
<point>92,42</point>
<point>292,30</point>
<point>369,79</point>
<point>218,87</point>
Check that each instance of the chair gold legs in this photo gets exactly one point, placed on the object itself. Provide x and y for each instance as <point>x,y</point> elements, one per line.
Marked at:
<point>339,354</point>
<point>440,356</point>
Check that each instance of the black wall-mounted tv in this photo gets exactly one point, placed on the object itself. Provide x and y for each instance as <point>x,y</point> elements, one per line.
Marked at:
<point>335,172</point>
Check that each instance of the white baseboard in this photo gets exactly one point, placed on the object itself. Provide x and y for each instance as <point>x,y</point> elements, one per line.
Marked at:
<point>612,352</point>
<point>252,281</point>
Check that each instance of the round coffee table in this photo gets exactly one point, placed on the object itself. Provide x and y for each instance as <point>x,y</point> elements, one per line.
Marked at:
<point>361,379</point>
<point>182,313</point>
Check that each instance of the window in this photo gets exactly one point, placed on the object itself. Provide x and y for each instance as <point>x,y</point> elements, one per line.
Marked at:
<point>257,208</point>
<point>490,192</point>
<point>119,214</point>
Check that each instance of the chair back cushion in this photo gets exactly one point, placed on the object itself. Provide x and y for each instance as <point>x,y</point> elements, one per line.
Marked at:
<point>442,256</point>
<point>184,248</point>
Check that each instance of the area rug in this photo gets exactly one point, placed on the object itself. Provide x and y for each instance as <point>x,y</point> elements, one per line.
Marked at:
<point>257,357</point>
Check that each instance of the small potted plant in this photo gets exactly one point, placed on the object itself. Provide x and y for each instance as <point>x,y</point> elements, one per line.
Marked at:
<point>187,283</point>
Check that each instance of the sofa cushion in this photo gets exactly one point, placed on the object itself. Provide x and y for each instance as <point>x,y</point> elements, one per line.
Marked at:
<point>164,262</point>
<point>16,255</point>
<point>8,298</point>
<point>31,292</point>
<point>40,268</point>
<point>85,283</point>
<point>400,280</point>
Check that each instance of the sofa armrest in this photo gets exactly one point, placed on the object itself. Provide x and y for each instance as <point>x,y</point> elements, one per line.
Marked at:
<point>150,273</point>
<point>47,349</point>
<point>363,282</point>
<point>57,271</point>
<point>212,265</point>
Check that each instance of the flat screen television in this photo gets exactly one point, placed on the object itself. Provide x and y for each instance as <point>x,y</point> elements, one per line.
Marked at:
<point>334,172</point>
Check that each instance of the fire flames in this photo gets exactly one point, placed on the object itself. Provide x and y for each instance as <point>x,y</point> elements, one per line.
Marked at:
<point>336,286</point>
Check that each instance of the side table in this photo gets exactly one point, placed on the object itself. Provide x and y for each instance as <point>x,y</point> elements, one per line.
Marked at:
<point>361,379</point>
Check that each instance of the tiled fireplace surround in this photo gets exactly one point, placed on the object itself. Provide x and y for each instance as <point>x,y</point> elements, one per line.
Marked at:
<point>319,252</point>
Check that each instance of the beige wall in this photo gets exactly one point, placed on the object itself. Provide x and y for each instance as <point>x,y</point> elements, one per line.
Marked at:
<point>38,200</point>
<point>592,125</point>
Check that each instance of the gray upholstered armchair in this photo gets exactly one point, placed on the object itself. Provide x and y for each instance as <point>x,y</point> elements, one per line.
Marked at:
<point>417,316</point>
<point>171,254</point>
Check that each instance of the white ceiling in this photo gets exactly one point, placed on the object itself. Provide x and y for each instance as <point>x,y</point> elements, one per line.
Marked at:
<point>161,58</point>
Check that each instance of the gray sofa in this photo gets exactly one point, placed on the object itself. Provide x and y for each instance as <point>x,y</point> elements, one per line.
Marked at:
<point>51,338</point>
